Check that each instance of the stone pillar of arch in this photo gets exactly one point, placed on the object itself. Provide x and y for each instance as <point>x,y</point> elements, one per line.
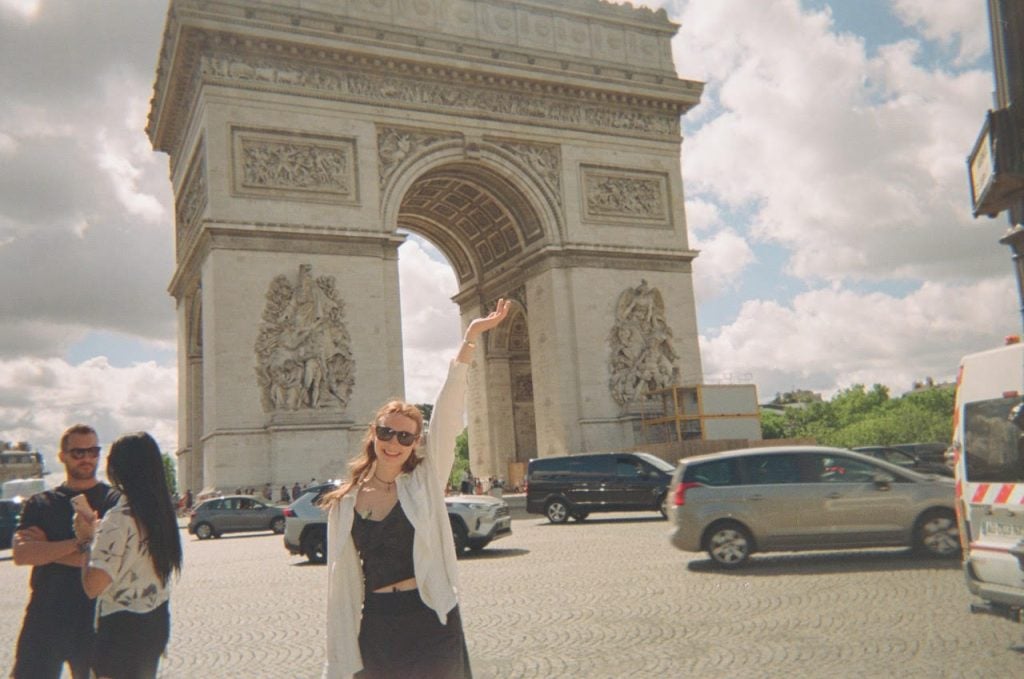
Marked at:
<point>535,142</point>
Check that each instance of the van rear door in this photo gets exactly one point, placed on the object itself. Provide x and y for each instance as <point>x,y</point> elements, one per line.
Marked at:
<point>990,470</point>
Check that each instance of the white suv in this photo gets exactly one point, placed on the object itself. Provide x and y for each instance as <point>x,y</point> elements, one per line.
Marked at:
<point>476,521</point>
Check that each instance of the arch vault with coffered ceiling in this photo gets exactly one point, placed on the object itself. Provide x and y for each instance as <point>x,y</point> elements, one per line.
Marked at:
<point>536,143</point>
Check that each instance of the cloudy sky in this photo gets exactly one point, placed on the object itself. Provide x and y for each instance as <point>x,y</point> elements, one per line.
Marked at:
<point>824,173</point>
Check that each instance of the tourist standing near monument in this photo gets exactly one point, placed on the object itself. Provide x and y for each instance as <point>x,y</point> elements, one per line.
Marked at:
<point>58,625</point>
<point>396,614</point>
<point>133,550</point>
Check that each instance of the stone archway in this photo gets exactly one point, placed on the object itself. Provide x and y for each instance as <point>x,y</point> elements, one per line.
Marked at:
<point>536,143</point>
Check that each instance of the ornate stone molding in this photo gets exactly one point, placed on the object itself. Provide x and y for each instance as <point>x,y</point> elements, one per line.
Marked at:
<point>191,203</point>
<point>274,164</point>
<point>303,353</point>
<point>396,145</point>
<point>633,197</point>
<point>642,357</point>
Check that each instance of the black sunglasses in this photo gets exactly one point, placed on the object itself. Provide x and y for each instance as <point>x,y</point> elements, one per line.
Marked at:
<point>80,453</point>
<point>406,438</point>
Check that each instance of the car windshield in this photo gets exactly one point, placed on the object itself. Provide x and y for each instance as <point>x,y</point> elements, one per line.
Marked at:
<point>656,462</point>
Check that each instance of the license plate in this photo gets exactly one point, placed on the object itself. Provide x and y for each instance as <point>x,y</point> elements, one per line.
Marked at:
<point>1002,529</point>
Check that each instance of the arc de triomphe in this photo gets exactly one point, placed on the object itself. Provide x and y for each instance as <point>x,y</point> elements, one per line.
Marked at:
<point>536,143</point>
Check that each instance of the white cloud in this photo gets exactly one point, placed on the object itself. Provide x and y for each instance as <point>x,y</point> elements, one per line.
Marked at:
<point>950,22</point>
<point>831,338</point>
<point>42,397</point>
<point>430,320</point>
<point>854,164</point>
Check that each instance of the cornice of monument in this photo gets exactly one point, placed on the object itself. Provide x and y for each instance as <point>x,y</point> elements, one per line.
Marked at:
<point>274,237</point>
<point>250,48</point>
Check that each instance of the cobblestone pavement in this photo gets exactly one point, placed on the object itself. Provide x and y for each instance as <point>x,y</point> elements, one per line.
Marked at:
<point>607,598</point>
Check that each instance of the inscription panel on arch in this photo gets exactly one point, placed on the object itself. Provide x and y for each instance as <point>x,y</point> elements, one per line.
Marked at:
<point>282,165</point>
<point>625,197</point>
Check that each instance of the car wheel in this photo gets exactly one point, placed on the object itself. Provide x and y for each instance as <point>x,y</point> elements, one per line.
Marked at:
<point>662,509</point>
<point>204,531</point>
<point>581,516</point>
<point>477,545</point>
<point>729,544</point>
<point>460,537</point>
<point>937,534</point>
<point>277,525</point>
<point>556,511</point>
<point>314,546</point>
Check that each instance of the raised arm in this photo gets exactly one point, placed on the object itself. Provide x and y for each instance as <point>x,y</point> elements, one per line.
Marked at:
<point>478,327</point>
<point>446,422</point>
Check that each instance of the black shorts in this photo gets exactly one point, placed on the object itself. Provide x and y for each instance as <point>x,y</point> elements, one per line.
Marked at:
<point>129,645</point>
<point>401,638</point>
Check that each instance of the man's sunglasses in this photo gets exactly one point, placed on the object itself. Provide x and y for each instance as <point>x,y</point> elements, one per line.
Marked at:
<point>81,453</point>
<point>406,438</point>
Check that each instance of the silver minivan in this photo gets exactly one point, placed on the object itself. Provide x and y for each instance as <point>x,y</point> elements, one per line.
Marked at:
<point>799,498</point>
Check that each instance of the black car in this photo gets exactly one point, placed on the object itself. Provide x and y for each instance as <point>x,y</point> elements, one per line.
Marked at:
<point>901,456</point>
<point>10,511</point>
<point>576,485</point>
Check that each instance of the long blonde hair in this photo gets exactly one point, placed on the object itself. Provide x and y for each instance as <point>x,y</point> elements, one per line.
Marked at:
<point>363,463</point>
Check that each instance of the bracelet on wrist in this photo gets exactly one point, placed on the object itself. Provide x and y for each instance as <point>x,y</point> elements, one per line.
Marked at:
<point>84,546</point>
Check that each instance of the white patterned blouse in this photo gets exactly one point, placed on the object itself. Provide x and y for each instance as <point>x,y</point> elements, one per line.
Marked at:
<point>121,553</point>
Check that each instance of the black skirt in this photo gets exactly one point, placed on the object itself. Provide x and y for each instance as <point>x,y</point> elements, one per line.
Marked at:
<point>129,645</point>
<point>401,638</point>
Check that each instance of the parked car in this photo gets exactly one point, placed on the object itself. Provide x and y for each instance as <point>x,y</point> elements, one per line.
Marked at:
<point>906,460</point>
<point>234,514</point>
<point>476,520</point>
<point>577,485</point>
<point>10,512</point>
<point>734,503</point>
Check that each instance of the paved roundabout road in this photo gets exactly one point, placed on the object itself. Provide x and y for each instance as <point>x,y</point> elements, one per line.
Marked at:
<point>606,598</point>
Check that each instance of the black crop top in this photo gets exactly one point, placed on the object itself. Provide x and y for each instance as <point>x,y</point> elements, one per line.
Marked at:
<point>385,548</point>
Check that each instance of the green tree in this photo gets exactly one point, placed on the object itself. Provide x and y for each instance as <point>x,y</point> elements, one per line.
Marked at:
<point>857,416</point>
<point>170,474</point>
<point>461,458</point>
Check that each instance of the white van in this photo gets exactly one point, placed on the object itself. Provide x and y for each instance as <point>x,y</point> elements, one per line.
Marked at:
<point>988,449</point>
<point>22,489</point>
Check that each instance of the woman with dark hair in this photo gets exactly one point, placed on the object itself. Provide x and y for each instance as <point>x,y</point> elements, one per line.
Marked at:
<point>133,552</point>
<point>392,609</point>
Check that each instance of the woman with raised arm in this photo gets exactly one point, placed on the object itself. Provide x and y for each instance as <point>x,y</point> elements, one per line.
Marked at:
<point>133,551</point>
<point>392,607</point>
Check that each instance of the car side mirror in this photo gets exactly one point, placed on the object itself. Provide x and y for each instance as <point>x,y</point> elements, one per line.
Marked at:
<point>881,479</point>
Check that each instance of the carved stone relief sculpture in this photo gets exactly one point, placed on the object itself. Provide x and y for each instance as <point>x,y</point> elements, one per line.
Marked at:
<point>191,203</point>
<point>442,91</point>
<point>642,357</point>
<point>282,165</point>
<point>303,351</point>
<point>395,145</point>
<point>543,160</point>
<point>622,196</point>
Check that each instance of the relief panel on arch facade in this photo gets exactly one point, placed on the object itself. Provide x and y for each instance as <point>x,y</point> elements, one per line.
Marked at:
<point>395,145</point>
<point>303,350</point>
<point>544,161</point>
<point>625,197</point>
<point>191,202</point>
<point>642,356</point>
<point>276,164</point>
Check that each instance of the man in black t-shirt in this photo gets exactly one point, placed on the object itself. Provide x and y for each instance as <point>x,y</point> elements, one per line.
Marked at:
<point>58,624</point>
